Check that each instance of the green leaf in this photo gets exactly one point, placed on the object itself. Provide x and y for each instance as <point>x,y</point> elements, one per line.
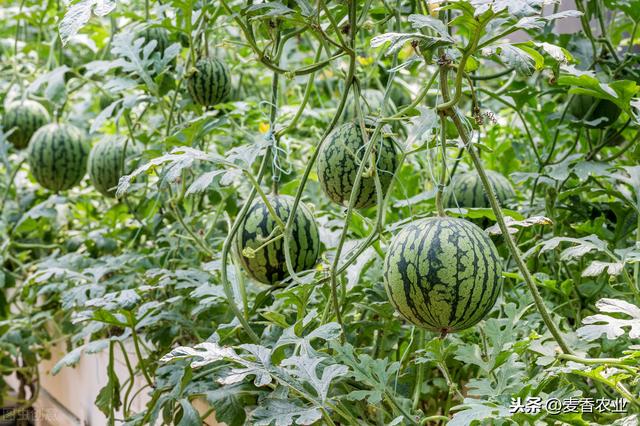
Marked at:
<point>620,92</point>
<point>375,373</point>
<point>305,368</point>
<point>73,357</point>
<point>282,412</point>
<point>397,41</point>
<point>229,402</point>
<point>108,398</point>
<point>523,58</point>
<point>473,410</point>
<point>79,14</point>
<point>190,416</point>
<point>611,327</point>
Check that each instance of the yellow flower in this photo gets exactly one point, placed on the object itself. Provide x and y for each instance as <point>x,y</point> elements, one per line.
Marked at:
<point>365,61</point>
<point>263,127</point>
<point>406,52</point>
<point>433,8</point>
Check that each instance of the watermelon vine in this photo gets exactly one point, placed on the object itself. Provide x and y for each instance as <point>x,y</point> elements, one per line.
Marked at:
<point>358,212</point>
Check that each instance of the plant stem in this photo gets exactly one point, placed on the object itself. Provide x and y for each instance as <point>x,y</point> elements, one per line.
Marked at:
<point>495,206</point>
<point>513,248</point>
<point>417,390</point>
<point>443,173</point>
<point>141,360</point>
<point>226,248</point>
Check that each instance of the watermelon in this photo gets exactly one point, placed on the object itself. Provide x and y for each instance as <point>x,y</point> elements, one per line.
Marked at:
<point>210,82</point>
<point>267,264</point>
<point>58,156</point>
<point>400,96</point>
<point>339,159</point>
<point>106,161</point>
<point>370,102</point>
<point>159,35</point>
<point>605,111</point>
<point>442,274</point>
<point>466,190</point>
<point>24,117</point>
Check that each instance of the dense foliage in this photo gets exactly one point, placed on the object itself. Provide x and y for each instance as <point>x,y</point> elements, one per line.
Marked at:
<point>285,168</point>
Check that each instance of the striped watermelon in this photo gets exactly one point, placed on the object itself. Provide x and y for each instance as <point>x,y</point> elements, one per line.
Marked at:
<point>210,82</point>
<point>106,162</point>
<point>466,190</point>
<point>605,111</point>
<point>268,263</point>
<point>339,159</point>
<point>442,274</point>
<point>24,117</point>
<point>58,156</point>
<point>159,35</point>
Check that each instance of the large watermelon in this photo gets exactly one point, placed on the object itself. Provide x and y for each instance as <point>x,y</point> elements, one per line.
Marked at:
<point>106,161</point>
<point>210,82</point>
<point>58,156</point>
<point>24,117</point>
<point>267,264</point>
<point>604,110</point>
<point>442,274</point>
<point>339,159</point>
<point>466,190</point>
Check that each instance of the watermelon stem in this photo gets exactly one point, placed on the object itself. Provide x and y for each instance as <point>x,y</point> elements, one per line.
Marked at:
<point>303,181</point>
<point>275,169</point>
<point>513,248</point>
<point>448,107</point>
<point>226,248</point>
<point>443,172</point>
<point>417,392</point>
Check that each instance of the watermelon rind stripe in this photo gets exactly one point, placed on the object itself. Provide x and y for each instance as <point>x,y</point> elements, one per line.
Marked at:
<point>269,263</point>
<point>24,117</point>
<point>466,190</point>
<point>338,162</point>
<point>210,82</point>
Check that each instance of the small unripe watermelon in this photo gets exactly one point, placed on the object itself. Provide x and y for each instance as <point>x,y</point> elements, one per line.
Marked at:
<point>604,109</point>
<point>58,156</point>
<point>25,117</point>
<point>442,274</point>
<point>339,159</point>
<point>106,161</point>
<point>371,101</point>
<point>267,263</point>
<point>466,190</point>
<point>210,82</point>
<point>159,34</point>
<point>399,95</point>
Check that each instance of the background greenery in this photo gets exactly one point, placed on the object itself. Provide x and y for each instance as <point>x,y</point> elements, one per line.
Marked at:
<point>91,273</point>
